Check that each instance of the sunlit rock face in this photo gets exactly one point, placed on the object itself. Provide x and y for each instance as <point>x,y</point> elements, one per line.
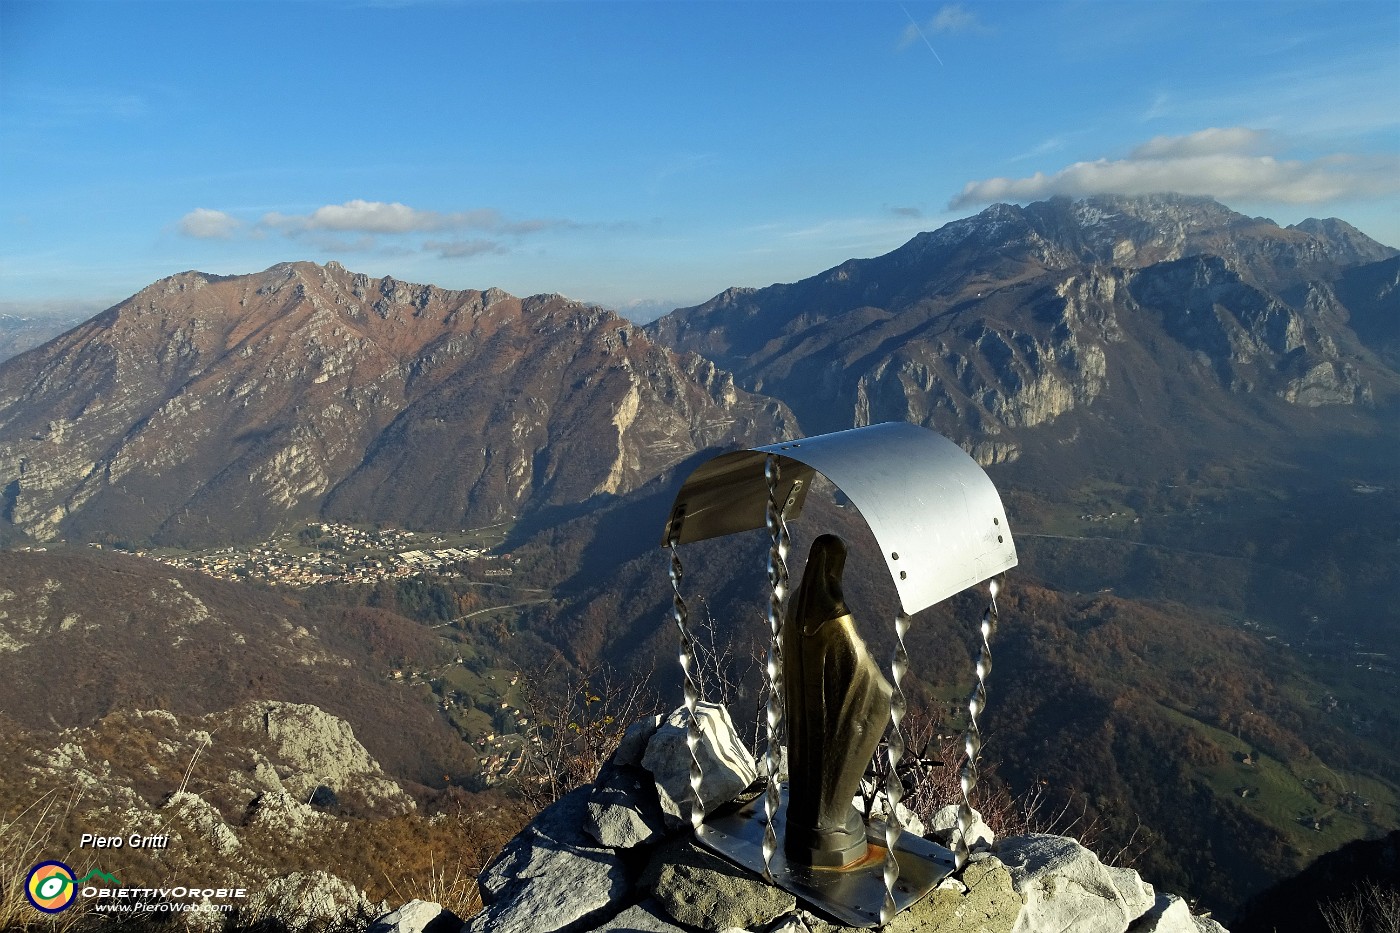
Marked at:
<point>204,408</point>
<point>995,327</point>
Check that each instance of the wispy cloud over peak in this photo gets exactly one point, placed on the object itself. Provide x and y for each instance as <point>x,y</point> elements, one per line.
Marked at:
<point>462,249</point>
<point>1235,163</point>
<point>1234,140</point>
<point>360,216</point>
<point>379,217</point>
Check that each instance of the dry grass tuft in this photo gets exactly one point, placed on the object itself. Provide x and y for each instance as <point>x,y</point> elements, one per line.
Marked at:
<point>25,840</point>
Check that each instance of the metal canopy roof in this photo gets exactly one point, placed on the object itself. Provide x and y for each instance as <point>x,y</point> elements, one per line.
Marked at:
<point>935,513</point>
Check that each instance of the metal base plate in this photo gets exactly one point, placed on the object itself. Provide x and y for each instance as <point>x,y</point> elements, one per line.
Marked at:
<point>852,895</point>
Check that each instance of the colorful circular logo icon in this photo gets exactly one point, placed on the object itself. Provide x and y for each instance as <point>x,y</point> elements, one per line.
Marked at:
<point>50,887</point>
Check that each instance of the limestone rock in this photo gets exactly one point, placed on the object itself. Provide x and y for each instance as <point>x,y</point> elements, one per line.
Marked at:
<point>943,828</point>
<point>991,904</point>
<point>303,898</point>
<point>285,816</point>
<point>1065,885</point>
<point>700,889</point>
<point>726,765</point>
<point>319,749</point>
<point>1168,914</point>
<point>907,818</point>
<point>1137,894</point>
<point>550,876</point>
<point>205,820</point>
<point>418,917</point>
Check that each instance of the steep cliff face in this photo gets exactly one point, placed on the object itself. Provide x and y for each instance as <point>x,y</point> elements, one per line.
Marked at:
<point>209,408</point>
<point>1014,318</point>
<point>1369,298</point>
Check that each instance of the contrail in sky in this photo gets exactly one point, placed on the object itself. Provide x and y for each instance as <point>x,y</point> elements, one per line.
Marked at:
<point>915,24</point>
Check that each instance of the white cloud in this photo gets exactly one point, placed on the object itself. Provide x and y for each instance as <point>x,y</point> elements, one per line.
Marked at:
<point>1234,140</point>
<point>1044,147</point>
<point>1231,164</point>
<point>1161,106</point>
<point>955,18</point>
<point>378,217</point>
<point>949,20</point>
<point>360,216</point>
<point>205,224</point>
<point>462,249</point>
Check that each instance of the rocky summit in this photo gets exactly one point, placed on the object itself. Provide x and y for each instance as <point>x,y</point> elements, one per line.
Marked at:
<point>572,871</point>
<point>208,408</point>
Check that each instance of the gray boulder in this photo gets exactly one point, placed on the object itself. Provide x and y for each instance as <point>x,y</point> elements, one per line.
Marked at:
<point>1065,885</point>
<point>550,876</point>
<point>726,765</point>
<point>698,888</point>
<point>623,810</point>
<point>633,744</point>
<point>646,917</point>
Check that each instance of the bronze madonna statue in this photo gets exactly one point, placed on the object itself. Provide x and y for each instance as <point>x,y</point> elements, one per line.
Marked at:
<point>838,704</point>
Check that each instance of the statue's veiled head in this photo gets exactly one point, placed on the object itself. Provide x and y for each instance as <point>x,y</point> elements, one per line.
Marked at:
<point>819,599</point>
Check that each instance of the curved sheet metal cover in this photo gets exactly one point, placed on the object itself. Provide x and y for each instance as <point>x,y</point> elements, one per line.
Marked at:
<point>935,513</point>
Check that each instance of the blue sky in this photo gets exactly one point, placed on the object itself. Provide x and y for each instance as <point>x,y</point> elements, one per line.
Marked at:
<point>649,155</point>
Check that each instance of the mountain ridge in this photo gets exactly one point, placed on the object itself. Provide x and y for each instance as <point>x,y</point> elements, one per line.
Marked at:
<point>275,392</point>
<point>1019,316</point>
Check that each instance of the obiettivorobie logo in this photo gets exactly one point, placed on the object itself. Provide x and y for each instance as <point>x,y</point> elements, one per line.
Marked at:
<point>51,886</point>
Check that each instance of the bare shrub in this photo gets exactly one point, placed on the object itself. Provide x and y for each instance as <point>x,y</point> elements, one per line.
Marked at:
<point>1369,908</point>
<point>931,773</point>
<point>576,729</point>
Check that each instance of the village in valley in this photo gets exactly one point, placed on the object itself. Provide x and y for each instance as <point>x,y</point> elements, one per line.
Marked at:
<point>334,553</point>
<point>487,704</point>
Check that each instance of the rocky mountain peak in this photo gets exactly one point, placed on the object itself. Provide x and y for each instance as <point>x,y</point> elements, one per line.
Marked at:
<point>1344,242</point>
<point>1016,317</point>
<point>308,386</point>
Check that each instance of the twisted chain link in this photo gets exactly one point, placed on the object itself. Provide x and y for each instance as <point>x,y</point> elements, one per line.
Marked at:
<point>972,738</point>
<point>777,590</point>
<point>894,786</point>
<point>692,690</point>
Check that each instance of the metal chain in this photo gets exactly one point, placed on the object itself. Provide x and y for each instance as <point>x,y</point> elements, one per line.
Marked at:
<point>777,595</point>
<point>894,786</point>
<point>972,738</point>
<point>692,690</point>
